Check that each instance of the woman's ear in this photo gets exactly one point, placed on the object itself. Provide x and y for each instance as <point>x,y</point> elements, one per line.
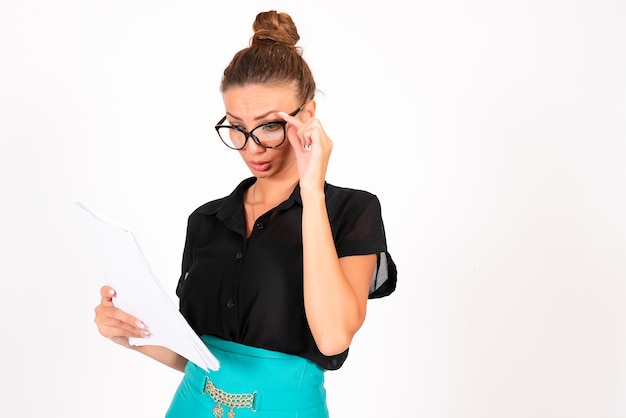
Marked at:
<point>308,111</point>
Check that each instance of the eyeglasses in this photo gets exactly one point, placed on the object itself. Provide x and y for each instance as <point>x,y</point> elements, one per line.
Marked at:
<point>267,135</point>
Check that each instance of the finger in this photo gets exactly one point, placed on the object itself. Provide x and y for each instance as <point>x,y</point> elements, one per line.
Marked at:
<point>113,322</point>
<point>291,120</point>
<point>109,315</point>
<point>302,142</point>
<point>116,334</point>
<point>294,132</point>
<point>123,341</point>
<point>112,329</point>
<point>296,141</point>
<point>309,134</point>
<point>306,131</point>
<point>106,294</point>
<point>112,316</point>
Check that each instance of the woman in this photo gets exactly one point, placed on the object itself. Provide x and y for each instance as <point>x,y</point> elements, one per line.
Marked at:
<point>276,276</point>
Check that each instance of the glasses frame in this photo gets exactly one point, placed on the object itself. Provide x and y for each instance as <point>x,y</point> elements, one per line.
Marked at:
<point>250,134</point>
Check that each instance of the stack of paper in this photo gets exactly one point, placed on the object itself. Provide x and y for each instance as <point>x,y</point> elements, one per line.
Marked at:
<point>139,292</point>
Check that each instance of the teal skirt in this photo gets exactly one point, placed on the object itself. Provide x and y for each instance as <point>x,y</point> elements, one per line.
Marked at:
<point>251,382</point>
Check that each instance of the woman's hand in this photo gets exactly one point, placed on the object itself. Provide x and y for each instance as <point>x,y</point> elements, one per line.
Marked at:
<point>312,147</point>
<point>115,324</point>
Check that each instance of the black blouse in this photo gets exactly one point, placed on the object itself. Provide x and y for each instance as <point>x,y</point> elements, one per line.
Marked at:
<point>249,290</point>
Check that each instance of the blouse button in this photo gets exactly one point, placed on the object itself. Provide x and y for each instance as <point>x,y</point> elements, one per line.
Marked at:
<point>230,304</point>
<point>238,256</point>
<point>259,225</point>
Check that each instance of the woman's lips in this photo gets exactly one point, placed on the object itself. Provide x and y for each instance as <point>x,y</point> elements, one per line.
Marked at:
<point>260,165</point>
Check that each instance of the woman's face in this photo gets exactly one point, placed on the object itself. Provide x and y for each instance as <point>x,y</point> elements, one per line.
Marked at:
<point>255,104</point>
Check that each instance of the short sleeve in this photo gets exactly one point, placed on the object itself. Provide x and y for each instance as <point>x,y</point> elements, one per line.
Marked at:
<point>361,231</point>
<point>187,257</point>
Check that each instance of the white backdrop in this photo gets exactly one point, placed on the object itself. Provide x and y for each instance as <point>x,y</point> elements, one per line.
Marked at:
<point>493,133</point>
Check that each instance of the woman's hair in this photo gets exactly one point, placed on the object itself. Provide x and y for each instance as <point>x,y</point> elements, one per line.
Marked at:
<point>271,57</point>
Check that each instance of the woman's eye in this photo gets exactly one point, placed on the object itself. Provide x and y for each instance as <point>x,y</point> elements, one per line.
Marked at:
<point>271,127</point>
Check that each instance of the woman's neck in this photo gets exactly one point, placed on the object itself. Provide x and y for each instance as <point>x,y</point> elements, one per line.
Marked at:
<point>271,191</point>
<point>264,195</point>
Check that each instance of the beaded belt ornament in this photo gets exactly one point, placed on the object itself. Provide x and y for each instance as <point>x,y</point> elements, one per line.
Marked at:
<point>231,400</point>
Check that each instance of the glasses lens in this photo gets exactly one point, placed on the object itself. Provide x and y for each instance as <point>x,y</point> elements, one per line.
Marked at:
<point>232,137</point>
<point>271,134</point>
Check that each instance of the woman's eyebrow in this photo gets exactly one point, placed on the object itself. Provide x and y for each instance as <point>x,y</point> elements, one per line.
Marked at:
<point>263,116</point>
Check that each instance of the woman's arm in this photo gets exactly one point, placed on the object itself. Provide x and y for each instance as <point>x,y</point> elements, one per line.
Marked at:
<point>118,326</point>
<point>335,290</point>
<point>163,355</point>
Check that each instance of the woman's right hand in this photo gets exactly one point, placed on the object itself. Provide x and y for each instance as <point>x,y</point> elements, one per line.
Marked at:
<point>115,324</point>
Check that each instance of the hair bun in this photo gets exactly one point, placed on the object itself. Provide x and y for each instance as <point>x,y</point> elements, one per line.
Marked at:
<point>272,27</point>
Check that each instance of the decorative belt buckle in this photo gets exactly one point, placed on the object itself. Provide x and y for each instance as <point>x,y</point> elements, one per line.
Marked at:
<point>231,400</point>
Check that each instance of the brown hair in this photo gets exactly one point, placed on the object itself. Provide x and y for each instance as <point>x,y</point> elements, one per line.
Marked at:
<point>271,57</point>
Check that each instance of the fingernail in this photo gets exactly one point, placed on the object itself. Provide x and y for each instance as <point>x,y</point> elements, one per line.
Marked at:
<point>145,333</point>
<point>140,324</point>
<point>111,292</point>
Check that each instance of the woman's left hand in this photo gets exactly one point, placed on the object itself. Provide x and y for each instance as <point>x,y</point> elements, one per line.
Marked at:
<point>312,147</point>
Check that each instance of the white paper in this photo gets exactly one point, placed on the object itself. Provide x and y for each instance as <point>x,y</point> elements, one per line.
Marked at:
<point>138,290</point>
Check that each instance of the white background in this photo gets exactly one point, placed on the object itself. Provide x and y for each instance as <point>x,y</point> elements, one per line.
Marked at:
<point>492,131</point>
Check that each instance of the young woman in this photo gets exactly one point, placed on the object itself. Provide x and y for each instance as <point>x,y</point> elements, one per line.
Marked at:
<point>276,276</point>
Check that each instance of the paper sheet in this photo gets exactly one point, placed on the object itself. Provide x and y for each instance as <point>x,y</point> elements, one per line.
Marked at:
<point>139,291</point>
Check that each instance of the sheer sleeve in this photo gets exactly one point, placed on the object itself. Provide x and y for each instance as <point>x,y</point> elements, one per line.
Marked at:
<point>359,231</point>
